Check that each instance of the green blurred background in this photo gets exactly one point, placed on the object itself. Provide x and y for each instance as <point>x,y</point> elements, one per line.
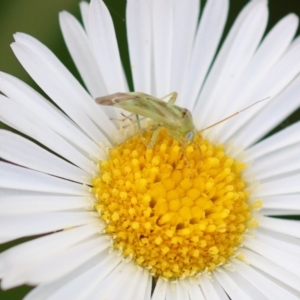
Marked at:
<point>39,18</point>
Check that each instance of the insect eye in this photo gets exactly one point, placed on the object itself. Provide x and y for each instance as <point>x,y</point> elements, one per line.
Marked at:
<point>189,136</point>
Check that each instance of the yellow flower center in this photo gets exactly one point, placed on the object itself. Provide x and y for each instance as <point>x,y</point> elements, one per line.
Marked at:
<point>174,211</point>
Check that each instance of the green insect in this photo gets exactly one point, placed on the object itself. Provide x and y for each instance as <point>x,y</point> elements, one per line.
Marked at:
<point>177,120</point>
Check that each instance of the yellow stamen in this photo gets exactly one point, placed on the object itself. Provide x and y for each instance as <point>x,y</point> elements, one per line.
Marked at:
<point>175,212</point>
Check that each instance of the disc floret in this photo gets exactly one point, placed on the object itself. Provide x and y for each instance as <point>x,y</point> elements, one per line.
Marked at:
<point>176,212</point>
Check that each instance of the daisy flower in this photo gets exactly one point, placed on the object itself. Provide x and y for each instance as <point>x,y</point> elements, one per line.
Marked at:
<point>109,218</point>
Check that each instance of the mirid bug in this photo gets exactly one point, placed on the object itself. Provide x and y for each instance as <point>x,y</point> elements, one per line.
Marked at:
<point>177,120</point>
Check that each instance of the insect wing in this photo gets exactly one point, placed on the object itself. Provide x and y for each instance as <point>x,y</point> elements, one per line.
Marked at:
<point>111,100</point>
<point>155,109</point>
<point>165,114</point>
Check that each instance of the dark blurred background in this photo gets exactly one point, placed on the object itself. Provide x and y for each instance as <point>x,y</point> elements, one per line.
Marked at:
<point>39,18</point>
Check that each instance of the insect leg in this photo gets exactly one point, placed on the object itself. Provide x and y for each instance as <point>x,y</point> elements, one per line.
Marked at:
<point>176,136</point>
<point>173,97</point>
<point>138,121</point>
<point>123,119</point>
<point>183,145</point>
<point>143,139</point>
<point>153,138</point>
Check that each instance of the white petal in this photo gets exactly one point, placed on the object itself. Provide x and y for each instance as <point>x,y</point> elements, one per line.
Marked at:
<point>68,83</point>
<point>128,285</point>
<point>231,61</point>
<point>107,287</point>
<point>43,291</point>
<point>103,38</point>
<point>185,21</point>
<point>25,225</point>
<point>148,292</point>
<point>61,87</point>
<point>67,261</point>
<point>47,245</point>
<point>19,118</point>
<point>268,53</point>
<point>271,268</point>
<point>266,286</point>
<point>162,22</point>
<point>80,49</point>
<point>288,136</point>
<point>194,290</point>
<point>289,227</point>
<point>277,79</point>
<point>14,177</point>
<point>28,204</point>
<point>21,151</point>
<point>138,22</point>
<point>28,254</point>
<point>177,292</point>
<point>281,241</point>
<point>277,163</point>
<point>279,212</point>
<point>84,10</point>
<point>291,202</point>
<point>212,289</point>
<point>281,258</point>
<point>275,112</point>
<point>160,290</point>
<point>282,285</point>
<point>249,289</point>
<point>234,291</point>
<point>140,287</point>
<point>207,40</point>
<point>41,109</point>
<point>285,185</point>
<point>89,279</point>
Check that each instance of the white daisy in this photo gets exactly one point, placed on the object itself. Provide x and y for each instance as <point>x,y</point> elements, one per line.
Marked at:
<point>158,223</point>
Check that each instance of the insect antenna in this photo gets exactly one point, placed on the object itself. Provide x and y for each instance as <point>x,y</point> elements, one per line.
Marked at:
<point>122,120</point>
<point>233,115</point>
<point>138,121</point>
